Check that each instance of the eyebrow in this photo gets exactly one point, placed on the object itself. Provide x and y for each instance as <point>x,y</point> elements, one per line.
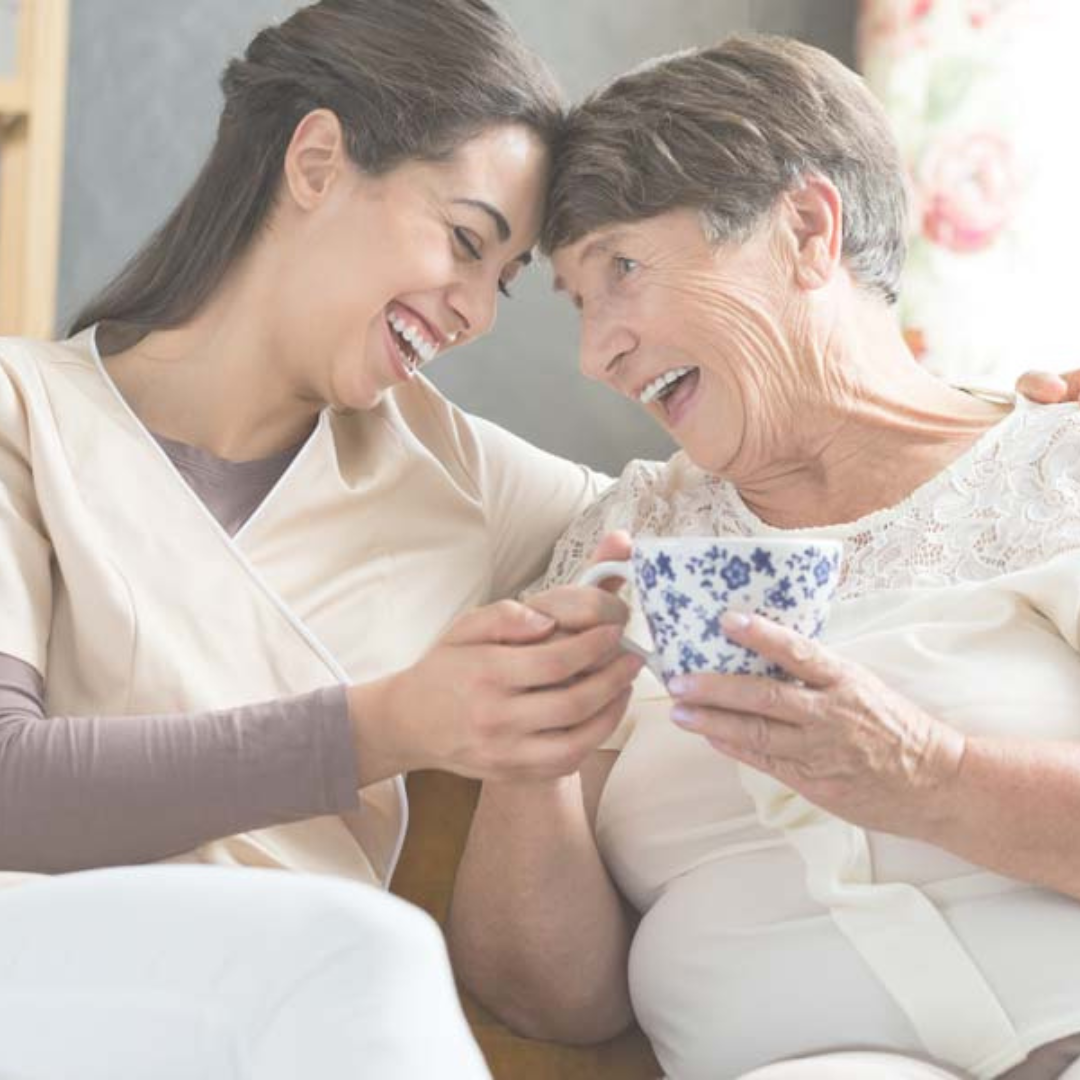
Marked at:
<point>502,226</point>
<point>599,246</point>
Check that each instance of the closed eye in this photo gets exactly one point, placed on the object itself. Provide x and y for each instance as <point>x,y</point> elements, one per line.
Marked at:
<point>465,239</point>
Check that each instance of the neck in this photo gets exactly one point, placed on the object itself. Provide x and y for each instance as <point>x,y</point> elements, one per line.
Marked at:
<point>220,381</point>
<point>874,428</point>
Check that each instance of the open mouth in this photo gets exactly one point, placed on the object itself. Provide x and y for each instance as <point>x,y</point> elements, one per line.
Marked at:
<point>414,344</point>
<point>669,385</point>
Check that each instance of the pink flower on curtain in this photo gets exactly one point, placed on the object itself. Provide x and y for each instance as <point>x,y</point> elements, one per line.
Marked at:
<point>895,26</point>
<point>968,189</point>
<point>982,12</point>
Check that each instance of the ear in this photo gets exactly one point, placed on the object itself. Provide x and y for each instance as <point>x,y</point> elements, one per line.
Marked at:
<point>815,218</point>
<point>314,158</point>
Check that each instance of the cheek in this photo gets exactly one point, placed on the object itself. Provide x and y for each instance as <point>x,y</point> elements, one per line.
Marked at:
<point>748,345</point>
<point>412,256</point>
<point>381,256</point>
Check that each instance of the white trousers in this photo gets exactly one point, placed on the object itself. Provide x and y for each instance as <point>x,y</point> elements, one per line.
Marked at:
<point>206,973</point>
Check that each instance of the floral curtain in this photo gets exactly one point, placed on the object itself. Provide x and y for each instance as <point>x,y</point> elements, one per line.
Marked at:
<point>983,96</point>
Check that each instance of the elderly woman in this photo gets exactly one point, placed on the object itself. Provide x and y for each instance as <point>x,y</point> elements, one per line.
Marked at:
<point>879,858</point>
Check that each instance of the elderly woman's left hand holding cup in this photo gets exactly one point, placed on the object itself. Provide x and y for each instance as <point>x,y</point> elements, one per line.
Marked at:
<point>838,735</point>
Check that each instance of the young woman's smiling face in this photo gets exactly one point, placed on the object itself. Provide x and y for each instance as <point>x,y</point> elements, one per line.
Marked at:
<point>696,333</point>
<point>384,272</point>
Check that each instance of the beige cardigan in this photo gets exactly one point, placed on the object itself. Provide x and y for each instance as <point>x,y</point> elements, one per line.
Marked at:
<point>119,585</point>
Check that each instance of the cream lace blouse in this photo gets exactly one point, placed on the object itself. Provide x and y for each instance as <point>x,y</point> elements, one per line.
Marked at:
<point>771,929</point>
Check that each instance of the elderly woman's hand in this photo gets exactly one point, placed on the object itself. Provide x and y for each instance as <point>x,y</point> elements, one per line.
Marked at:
<point>1049,389</point>
<point>838,736</point>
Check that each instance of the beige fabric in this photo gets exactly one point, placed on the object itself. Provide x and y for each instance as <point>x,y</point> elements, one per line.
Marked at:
<point>120,587</point>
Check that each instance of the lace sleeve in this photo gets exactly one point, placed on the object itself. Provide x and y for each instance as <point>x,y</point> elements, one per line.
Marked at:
<point>617,508</point>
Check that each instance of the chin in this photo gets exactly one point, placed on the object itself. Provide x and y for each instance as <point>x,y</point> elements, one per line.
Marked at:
<point>711,459</point>
<point>356,397</point>
<point>352,386</point>
<point>367,402</point>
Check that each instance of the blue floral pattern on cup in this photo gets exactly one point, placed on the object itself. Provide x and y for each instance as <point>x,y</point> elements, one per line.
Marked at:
<point>685,584</point>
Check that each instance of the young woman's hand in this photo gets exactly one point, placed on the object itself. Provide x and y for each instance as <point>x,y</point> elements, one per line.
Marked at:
<point>511,692</point>
<point>1049,389</point>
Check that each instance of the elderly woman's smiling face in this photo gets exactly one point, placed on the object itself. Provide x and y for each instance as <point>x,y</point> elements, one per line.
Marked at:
<point>704,336</point>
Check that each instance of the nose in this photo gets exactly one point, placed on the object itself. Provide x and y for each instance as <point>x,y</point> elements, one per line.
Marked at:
<point>604,342</point>
<point>474,303</point>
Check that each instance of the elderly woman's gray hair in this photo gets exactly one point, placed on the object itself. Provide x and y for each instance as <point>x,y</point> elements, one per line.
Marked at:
<point>727,130</point>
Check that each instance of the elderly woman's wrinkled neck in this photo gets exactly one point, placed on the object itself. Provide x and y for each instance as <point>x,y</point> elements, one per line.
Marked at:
<point>851,423</point>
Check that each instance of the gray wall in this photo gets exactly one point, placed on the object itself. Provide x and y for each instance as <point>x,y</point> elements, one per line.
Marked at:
<point>8,11</point>
<point>143,103</point>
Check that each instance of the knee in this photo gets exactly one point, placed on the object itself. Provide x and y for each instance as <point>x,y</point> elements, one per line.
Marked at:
<point>346,914</point>
<point>852,1065</point>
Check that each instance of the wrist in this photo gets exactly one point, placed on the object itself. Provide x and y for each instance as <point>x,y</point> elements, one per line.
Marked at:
<point>528,796</point>
<point>376,735</point>
<point>939,796</point>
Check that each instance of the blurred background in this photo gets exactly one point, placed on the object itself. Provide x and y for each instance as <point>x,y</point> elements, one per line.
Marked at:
<point>980,92</point>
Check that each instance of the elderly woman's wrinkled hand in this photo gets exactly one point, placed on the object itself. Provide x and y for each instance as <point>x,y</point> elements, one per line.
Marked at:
<point>838,736</point>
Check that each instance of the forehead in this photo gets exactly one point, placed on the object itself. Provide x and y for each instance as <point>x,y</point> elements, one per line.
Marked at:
<point>497,151</point>
<point>505,167</point>
<point>506,164</point>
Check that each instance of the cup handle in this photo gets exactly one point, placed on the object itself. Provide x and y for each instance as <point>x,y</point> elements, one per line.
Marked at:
<point>621,569</point>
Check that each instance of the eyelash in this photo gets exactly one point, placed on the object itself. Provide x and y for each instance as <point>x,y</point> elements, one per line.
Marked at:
<point>462,238</point>
<point>624,265</point>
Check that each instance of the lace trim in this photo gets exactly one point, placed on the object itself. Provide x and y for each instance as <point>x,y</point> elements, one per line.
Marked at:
<point>1009,502</point>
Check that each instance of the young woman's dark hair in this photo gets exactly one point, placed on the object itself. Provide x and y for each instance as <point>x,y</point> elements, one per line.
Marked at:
<point>408,79</point>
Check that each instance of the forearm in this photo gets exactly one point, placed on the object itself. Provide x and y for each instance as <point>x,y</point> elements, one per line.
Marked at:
<point>1013,806</point>
<point>85,791</point>
<point>537,929</point>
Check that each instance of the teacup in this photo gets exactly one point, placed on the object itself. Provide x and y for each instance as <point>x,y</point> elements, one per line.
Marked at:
<point>685,584</point>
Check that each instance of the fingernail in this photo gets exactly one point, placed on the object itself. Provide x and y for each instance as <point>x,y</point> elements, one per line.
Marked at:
<point>540,620</point>
<point>734,621</point>
<point>684,717</point>
<point>679,685</point>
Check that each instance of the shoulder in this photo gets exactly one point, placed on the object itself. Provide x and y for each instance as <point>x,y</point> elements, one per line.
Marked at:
<point>649,498</point>
<point>479,454</point>
<point>1044,442</point>
<point>21,362</point>
<point>412,422</point>
<point>660,498</point>
<point>1023,489</point>
<point>425,419</point>
<point>26,364</point>
<point>31,354</point>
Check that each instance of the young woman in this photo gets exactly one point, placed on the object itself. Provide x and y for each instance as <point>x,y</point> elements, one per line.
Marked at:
<point>238,530</point>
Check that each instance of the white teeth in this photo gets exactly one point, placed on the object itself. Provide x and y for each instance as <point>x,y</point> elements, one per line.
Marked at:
<point>657,386</point>
<point>424,349</point>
